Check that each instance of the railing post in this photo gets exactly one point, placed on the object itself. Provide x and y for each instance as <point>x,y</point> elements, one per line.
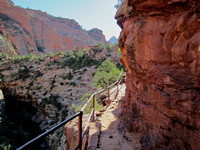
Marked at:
<point>93,107</point>
<point>108,96</point>
<point>117,87</point>
<point>80,130</point>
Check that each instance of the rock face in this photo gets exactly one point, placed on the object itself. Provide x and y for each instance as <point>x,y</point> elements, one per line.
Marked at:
<point>35,31</point>
<point>161,51</point>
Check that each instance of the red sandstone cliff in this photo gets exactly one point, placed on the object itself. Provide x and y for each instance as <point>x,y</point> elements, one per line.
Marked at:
<point>33,30</point>
<point>160,42</point>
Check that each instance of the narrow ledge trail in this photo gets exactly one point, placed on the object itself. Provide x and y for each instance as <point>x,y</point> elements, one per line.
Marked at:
<point>108,131</point>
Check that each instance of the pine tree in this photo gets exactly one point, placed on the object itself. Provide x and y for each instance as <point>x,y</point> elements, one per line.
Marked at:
<point>107,73</point>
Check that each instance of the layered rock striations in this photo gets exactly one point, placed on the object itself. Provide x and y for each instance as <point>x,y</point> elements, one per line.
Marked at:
<point>160,43</point>
<point>33,31</point>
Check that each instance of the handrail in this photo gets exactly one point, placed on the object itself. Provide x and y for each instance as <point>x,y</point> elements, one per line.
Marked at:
<point>93,97</point>
<point>79,115</point>
<point>49,131</point>
<point>86,125</point>
<point>83,108</point>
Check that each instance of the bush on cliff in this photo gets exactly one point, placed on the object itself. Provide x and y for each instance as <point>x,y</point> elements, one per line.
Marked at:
<point>23,72</point>
<point>107,73</point>
<point>78,60</point>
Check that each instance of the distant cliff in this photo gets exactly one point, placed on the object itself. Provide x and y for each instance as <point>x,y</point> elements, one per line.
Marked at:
<point>36,31</point>
<point>113,40</point>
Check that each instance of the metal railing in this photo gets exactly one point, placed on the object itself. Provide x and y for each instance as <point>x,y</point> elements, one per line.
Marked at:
<point>81,133</point>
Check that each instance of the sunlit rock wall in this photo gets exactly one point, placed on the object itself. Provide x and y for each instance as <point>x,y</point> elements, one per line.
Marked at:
<point>160,43</point>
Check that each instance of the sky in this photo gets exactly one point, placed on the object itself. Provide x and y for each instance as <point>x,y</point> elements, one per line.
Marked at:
<point>88,13</point>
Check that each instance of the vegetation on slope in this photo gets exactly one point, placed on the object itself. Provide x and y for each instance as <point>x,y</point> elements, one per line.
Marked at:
<point>31,68</point>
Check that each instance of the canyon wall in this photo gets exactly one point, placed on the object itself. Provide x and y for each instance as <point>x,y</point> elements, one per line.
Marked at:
<point>33,31</point>
<point>160,43</point>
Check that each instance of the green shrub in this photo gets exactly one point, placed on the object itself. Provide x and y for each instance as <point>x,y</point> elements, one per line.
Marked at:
<point>78,60</point>
<point>31,83</point>
<point>120,66</point>
<point>40,48</point>
<point>119,51</point>
<point>79,78</point>
<point>23,72</point>
<point>106,74</point>
<point>101,46</point>
<point>73,83</point>
<point>109,47</point>
<point>52,99</point>
<point>70,76</point>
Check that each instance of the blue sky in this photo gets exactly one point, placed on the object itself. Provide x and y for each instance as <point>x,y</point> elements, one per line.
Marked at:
<point>88,13</point>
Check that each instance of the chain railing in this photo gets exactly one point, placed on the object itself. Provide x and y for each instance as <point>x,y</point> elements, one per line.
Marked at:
<point>79,114</point>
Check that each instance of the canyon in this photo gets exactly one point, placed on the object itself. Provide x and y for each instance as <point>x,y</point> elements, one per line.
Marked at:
<point>47,65</point>
<point>160,46</point>
<point>34,31</point>
<point>41,91</point>
<point>160,43</point>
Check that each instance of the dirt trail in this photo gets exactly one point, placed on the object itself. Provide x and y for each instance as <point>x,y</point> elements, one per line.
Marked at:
<point>108,131</point>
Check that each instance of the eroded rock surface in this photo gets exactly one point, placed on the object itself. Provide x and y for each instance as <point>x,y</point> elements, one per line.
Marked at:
<point>160,42</point>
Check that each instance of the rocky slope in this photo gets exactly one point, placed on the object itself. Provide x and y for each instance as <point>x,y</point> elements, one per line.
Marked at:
<point>36,31</point>
<point>160,46</point>
<point>46,89</point>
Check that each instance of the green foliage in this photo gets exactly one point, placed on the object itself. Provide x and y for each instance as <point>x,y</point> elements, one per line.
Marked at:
<point>101,46</point>
<point>71,54</point>
<point>86,49</point>
<point>109,47</point>
<point>9,44</point>
<point>120,67</point>
<point>70,76</point>
<point>119,51</point>
<point>40,48</point>
<point>79,78</point>
<point>78,108</point>
<point>106,74</point>
<point>51,63</point>
<point>72,83</point>
<point>88,109</point>
<point>50,55</point>
<point>23,72</point>
<point>74,60</point>
<point>79,54</point>
<point>52,99</point>
<point>5,147</point>
<point>78,60</point>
